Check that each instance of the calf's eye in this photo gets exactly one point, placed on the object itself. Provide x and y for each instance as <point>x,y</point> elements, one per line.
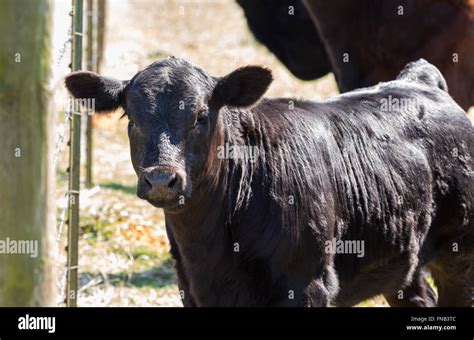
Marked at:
<point>201,118</point>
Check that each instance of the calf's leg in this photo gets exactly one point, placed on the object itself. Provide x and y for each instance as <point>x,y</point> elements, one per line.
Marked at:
<point>322,290</point>
<point>455,282</point>
<point>183,285</point>
<point>417,294</point>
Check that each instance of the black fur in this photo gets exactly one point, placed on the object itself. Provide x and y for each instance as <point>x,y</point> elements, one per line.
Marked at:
<point>286,29</point>
<point>106,92</point>
<point>373,35</point>
<point>369,41</point>
<point>351,168</point>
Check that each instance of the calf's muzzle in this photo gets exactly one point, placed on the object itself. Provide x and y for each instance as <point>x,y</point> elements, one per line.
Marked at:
<point>161,184</point>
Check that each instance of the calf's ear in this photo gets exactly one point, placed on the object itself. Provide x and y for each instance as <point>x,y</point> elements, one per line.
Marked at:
<point>106,92</point>
<point>242,87</point>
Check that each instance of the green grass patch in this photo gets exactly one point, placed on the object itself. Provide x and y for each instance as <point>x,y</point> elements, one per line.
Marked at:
<point>127,189</point>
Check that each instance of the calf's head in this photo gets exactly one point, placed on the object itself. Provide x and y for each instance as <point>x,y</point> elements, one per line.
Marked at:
<point>173,110</point>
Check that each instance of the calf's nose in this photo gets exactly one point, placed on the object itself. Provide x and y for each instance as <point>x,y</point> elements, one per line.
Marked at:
<point>162,184</point>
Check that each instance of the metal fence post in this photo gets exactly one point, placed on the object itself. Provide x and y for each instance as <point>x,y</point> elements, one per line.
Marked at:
<point>74,165</point>
<point>91,67</point>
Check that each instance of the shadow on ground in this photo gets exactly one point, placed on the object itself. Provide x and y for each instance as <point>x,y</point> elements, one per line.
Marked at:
<point>158,277</point>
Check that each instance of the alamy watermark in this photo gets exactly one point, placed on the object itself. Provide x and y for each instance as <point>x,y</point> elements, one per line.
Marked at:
<point>47,323</point>
<point>400,104</point>
<point>231,151</point>
<point>9,246</point>
<point>337,246</point>
<point>81,105</point>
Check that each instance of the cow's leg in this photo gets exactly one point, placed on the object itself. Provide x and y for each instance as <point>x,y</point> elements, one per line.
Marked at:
<point>183,284</point>
<point>455,282</point>
<point>417,294</point>
<point>322,291</point>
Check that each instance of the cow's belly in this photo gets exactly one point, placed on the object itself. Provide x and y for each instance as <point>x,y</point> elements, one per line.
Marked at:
<point>391,219</point>
<point>386,276</point>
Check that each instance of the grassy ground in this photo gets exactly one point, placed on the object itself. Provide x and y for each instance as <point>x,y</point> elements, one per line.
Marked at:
<point>124,259</point>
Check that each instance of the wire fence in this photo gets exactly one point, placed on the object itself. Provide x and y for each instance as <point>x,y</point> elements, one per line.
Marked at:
<point>59,146</point>
<point>69,213</point>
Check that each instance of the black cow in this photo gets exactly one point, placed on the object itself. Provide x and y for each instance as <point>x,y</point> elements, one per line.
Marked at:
<point>368,41</point>
<point>285,202</point>
<point>286,29</point>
